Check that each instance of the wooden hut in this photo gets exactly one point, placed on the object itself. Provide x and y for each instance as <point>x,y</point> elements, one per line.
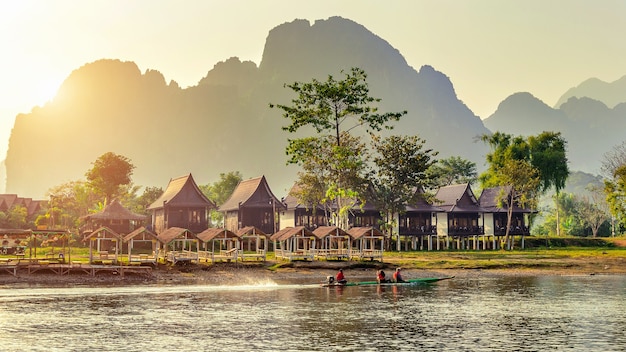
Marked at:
<point>142,247</point>
<point>332,243</point>
<point>254,243</point>
<point>294,243</point>
<point>181,205</point>
<point>218,244</point>
<point>115,217</point>
<point>106,244</point>
<point>495,218</point>
<point>252,204</point>
<point>298,214</point>
<point>179,245</point>
<point>367,243</point>
<point>418,225</point>
<point>461,222</point>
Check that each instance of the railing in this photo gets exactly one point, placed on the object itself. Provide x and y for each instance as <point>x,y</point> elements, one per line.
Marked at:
<point>465,230</point>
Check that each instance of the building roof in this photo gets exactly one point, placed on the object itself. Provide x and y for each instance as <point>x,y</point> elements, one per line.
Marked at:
<point>421,205</point>
<point>8,201</point>
<point>172,233</point>
<point>141,232</point>
<point>324,231</point>
<point>457,198</point>
<point>289,232</point>
<point>216,233</point>
<point>183,192</point>
<point>251,231</point>
<point>104,232</point>
<point>115,211</point>
<point>254,192</point>
<point>358,232</point>
<point>489,200</point>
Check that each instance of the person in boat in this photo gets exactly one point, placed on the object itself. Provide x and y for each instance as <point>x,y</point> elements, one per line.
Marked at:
<point>340,278</point>
<point>397,276</point>
<point>381,278</point>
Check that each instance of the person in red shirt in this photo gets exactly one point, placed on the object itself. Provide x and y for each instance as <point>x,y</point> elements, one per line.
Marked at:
<point>397,276</point>
<point>340,278</point>
<point>380,277</point>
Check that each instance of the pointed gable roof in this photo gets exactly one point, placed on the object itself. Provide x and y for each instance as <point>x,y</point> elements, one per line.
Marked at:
<point>216,233</point>
<point>115,211</point>
<point>254,192</point>
<point>325,231</point>
<point>359,232</point>
<point>184,192</point>
<point>457,198</point>
<point>489,200</point>
<point>421,205</point>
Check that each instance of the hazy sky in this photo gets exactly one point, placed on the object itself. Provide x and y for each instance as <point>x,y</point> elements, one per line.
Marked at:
<point>489,49</point>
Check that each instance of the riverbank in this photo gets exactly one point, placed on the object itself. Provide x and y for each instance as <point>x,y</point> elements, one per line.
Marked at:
<point>414,264</point>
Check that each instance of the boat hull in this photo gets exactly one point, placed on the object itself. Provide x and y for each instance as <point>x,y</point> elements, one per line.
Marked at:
<point>425,280</point>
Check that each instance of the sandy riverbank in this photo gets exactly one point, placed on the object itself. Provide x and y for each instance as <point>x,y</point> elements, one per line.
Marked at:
<point>310,272</point>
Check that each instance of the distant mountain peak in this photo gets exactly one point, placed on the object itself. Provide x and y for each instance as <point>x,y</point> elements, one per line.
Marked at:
<point>610,93</point>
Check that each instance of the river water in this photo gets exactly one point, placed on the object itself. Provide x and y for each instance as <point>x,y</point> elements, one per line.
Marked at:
<point>546,313</point>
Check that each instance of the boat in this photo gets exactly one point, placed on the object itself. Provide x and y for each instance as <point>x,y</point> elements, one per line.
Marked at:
<point>424,280</point>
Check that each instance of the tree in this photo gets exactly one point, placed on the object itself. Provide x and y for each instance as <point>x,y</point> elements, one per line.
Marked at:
<point>521,183</point>
<point>400,175</point>
<point>149,196</point>
<point>109,172</point>
<point>452,170</point>
<point>548,155</point>
<point>592,214</point>
<point>220,191</point>
<point>68,202</point>
<point>614,170</point>
<point>333,109</point>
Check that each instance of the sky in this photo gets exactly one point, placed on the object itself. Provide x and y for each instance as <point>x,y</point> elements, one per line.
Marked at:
<point>489,49</point>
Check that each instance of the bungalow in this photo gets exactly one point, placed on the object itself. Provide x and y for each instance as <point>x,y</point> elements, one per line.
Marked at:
<point>495,216</point>
<point>252,204</point>
<point>461,220</point>
<point>418,224</point>
<point>181,205</point>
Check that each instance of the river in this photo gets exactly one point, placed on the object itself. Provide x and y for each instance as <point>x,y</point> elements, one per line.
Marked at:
<point>542,313</point>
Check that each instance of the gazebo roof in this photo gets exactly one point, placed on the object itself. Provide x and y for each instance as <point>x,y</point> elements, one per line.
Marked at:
<point>142,231</point>
<point>115,211</point>
<point>251,230</point>
<point>358,232</point>
<point>324,231</point>
<point>289,232</point>
<point>216,233</point>
<point>109,234</point>
<point>172,233</point>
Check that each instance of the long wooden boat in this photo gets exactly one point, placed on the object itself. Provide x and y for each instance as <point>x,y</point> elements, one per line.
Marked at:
<point>424,280</point>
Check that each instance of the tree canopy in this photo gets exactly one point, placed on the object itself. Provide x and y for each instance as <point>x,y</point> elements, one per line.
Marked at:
<point>109,172</point>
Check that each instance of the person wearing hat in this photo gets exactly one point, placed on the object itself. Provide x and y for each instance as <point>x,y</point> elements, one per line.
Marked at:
<point>340,278</point>
<point>397,276</point>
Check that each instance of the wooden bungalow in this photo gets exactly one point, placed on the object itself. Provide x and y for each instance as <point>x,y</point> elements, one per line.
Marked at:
<point>495,217</point>
<point>106,244</point>
<point>332,243</point>
<point>418,225</point>
<point>367,243</point>
<point>142,247</point>
<point>218,244</point>
<point>179,245</point>
<point>254,243</point>
<point>461,223</point>
<point>181,205</point>
<point>252,204</point>
<point>298,214</point>
<point>115,217</point>
<point>294,243</point>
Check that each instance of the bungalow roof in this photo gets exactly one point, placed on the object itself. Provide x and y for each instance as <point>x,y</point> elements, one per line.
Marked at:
<point>184,192</point>
<point>216,233</point>
<point>489,200</point>
<point>254,192</point>
<point>250,231</point>
<point>457,198</point>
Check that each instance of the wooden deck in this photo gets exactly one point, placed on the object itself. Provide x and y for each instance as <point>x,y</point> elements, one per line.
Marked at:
<point>30,266</point>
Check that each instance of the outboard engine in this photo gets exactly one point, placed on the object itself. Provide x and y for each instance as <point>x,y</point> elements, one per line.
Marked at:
<point>330,279</point>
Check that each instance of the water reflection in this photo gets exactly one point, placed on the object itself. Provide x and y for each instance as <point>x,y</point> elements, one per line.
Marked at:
<point>469,314</point>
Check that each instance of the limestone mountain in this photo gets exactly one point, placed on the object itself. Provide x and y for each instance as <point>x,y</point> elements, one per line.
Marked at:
<point>610,93</point>
<point>589,126</point>
<point>224,122</point>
